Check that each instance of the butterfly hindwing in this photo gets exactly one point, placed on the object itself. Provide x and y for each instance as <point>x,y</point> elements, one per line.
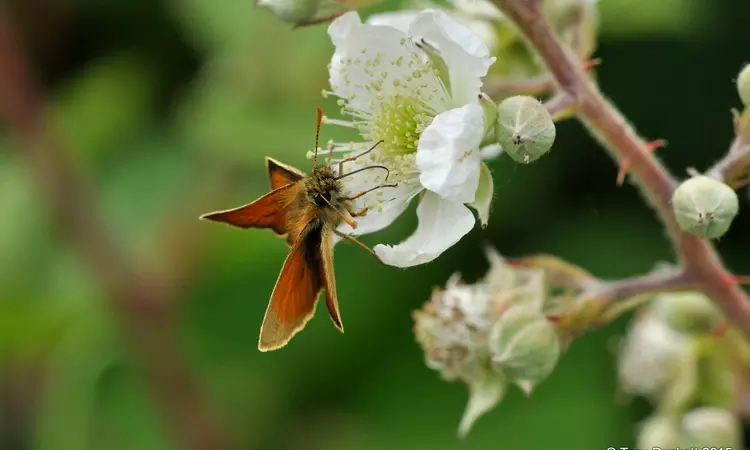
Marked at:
<point>328,277</point>
<point>295,295</point>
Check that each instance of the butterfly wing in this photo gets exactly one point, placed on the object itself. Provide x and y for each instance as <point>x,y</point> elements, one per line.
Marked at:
<point>295,295</point>
<point>268,211</point>
<point>281,174</point>
<point>328,277</point>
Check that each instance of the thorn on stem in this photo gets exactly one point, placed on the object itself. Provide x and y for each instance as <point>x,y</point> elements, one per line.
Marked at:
<point>730,279</point>
<point>591,63</point>
<point>625,163</point>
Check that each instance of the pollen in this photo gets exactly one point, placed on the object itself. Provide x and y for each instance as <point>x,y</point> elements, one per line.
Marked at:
<point>397,121</point>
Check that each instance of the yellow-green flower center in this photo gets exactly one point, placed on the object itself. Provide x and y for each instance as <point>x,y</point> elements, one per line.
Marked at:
<point>399,121</point>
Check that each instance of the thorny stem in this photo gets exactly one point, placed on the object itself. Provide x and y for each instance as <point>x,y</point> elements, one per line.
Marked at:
<point>141,299</point>
<point>498,88</point>
<point>730,167</point>
<point>700,262</point>
<point>660,281</point>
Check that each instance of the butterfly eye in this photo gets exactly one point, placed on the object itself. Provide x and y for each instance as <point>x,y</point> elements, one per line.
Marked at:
<point>323,199</point>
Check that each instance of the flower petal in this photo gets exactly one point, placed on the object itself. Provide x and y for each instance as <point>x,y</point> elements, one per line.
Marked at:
<point>485,191</point>
<point>372,60</point>
<point>448,153</point>
<point>466,56</point>
<point>399,20</point>
<point>340,28</point>
<point>382,210</point>
<point>491,151</point>
<point>441,225</point>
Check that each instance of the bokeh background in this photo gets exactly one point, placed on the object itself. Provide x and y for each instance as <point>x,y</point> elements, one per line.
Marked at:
<point>165,109</point>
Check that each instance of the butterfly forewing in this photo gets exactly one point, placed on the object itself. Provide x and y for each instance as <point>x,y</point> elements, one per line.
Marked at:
<point>281,174</point>
<point>268,211</point>
<point>295,294</point>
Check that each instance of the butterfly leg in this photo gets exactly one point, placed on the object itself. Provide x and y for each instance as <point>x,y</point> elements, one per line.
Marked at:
<point>361,213</point>
<point>354,158</point>
<point>356,196</point>
<point>349,237</point>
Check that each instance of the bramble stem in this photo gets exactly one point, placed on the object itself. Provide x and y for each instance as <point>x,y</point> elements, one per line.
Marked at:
<point>730,167</point>
<point>700,262</point>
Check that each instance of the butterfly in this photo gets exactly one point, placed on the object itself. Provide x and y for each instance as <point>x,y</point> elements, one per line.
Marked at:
<point>306,210</point>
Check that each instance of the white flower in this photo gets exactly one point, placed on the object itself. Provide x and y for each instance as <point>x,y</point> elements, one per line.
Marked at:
<point>412,87</point>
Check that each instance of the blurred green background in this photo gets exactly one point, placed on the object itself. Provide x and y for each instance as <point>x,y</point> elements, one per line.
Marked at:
<point>168,108</point>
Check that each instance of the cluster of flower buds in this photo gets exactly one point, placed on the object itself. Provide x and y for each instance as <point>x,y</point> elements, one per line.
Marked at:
<point>489,334</point>
<point>673,356</point>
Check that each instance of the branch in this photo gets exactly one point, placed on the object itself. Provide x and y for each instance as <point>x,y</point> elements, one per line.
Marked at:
<point>141,300</point>
<point>699,260</point>
<point>733,167</point>
<point>499,88</point>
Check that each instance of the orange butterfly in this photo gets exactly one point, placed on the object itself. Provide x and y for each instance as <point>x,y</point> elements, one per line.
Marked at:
<point>307,209</point>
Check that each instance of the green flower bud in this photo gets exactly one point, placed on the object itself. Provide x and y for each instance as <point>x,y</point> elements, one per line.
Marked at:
<point>660,431</point>
<point>524,346</point>
<point>293,11</point>
<point>686,312</point>
<point>524,128</point>
<point>743,85</point>
<point>712,428</point>
<point>705,206</point>
<point>717,381</point>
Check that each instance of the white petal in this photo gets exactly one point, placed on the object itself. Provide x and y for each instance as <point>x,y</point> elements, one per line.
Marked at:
<point>372,60</point>
<point>441,225</point>
<point>340,28</point>
<point>491,151</point>
<point>479,9</point>
<point>466,56</point>
<point>448,153</point>
<point>399,20</point>
<point>485,192</point>
<point>382,211</point>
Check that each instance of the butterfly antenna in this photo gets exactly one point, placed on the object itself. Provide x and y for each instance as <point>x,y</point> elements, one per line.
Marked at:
<point>317,135</point>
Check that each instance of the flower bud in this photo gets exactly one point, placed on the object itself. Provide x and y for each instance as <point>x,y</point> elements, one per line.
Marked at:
<point>294,11</point>
<point>710,427</point>
<point>743,85</point>
<point>447,329</point>
<point>661,431</point>
<point>524,345</point>
<point>705,206</point>
<point>652,357</point>
<point>515,285</point>
<point>686,312</point>
<point>524,128</point>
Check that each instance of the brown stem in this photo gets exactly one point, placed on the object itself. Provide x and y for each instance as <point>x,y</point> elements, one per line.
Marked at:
<point>141,300</point>
<point>733,167</point>
<point>661,281</point>
<point>499,88</point>
<point>700,261</point>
